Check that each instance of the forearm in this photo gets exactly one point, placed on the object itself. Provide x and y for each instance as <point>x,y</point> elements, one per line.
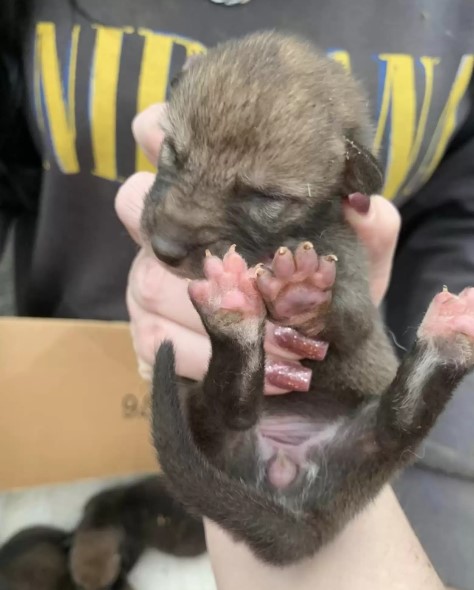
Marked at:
<point>377,550</point>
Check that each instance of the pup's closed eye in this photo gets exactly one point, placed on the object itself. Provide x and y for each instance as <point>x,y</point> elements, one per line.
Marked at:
<point>262,198</point>
<point>264,205</point>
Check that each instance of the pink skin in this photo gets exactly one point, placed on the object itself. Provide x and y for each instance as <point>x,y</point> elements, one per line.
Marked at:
<point>307,348</point>
<point>297,284</point>
<point>287,375</point>
<point>282,471</point>
<point>450,316</point>
<point>229,287</point>
<point>229,294</point>
<point>295,280</point>
<point>293,287</point>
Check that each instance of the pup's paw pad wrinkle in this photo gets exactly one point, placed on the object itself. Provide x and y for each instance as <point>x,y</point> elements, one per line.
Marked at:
<point>228,290</point>
<point>449,325</point>
<point>297,284</point>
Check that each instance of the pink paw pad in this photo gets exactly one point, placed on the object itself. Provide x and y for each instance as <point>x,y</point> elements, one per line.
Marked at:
<point>297,284</point>
<point>229,286</point>
<point>449,316</point>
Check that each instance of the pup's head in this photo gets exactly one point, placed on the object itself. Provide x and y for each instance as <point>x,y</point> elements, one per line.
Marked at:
<point>95,558</point>
<point>263,137</point>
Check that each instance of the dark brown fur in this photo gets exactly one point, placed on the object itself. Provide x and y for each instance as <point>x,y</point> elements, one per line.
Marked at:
<point>264,138</point>
<point>36,559</point>
<point>119,523</point>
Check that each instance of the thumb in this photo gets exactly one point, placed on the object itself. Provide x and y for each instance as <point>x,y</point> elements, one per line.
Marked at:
<point>377,227</point>
<point>147,131</point>
<point>129,202</point>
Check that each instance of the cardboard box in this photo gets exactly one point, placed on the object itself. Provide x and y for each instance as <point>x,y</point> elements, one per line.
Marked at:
<point>72,404</point>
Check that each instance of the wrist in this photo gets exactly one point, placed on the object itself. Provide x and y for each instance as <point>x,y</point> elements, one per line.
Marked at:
<point>378,549</point>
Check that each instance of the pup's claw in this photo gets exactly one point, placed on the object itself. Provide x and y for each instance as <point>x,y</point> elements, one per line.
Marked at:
<point>298,286</point>
<point>283,263</point>
<point>233,262</point>
<point>448,326</point>
<point>307,260</point>
<point>268,285</point>
<point>228,294</point>
<point>449,315</point>
<point>213,266</point>
<point>326,275</point>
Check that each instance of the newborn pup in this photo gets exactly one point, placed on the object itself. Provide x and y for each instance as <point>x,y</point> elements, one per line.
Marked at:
<point>264,138</point>
<point>35,559</point>
<point>118,524</point>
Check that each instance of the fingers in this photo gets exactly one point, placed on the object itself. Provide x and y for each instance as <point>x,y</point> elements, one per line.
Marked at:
<point>129,202</point>
<point>147,131</point>
<point>159,292</point>
<point>378,227</point>
<point>160,309</point>
<point>282,376</point>
<point>192,350</point>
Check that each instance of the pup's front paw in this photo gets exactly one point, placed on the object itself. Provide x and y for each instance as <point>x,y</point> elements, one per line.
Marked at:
<point>227,297</point>
<point>449,326</point>
<point>297,288</point>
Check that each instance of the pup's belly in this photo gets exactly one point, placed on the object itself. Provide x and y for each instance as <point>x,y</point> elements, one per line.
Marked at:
<point>289,444</point>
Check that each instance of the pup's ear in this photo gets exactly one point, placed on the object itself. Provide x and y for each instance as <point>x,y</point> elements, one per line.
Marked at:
<point>363,173</point>
<point>190,60</point>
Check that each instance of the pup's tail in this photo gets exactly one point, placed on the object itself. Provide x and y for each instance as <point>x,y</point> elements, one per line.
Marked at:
<point>275,534</point>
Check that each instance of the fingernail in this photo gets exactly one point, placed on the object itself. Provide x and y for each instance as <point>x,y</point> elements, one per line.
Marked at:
<point>144,370</point>
<point>359,202</point>
<point>299,344</point>
<point>288,375</point>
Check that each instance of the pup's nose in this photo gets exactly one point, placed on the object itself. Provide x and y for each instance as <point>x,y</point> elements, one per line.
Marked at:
<point>168,251</point>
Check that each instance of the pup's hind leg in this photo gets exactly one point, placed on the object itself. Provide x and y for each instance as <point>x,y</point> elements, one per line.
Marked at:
<point>120,522</point>
<point>443,354</point>
<point>385,434</point>
<point>233,313</point>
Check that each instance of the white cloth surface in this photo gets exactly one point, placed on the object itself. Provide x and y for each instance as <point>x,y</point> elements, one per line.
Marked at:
<point>61,506</point>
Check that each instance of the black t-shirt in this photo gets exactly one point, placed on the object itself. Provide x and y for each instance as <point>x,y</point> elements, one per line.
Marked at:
<point>89,72</point>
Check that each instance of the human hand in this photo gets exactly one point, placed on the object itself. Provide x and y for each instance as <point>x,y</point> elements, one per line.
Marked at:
<point>362,557</point>
<point>158,301</point>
